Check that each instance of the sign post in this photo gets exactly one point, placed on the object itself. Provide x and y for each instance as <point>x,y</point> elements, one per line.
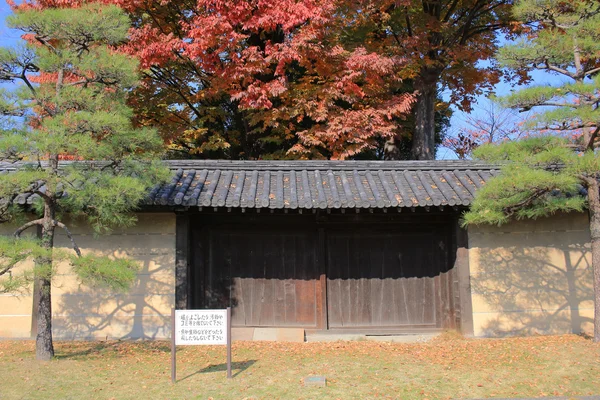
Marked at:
<point>173,348</point>
<point>200,327</point>
<point>228,342</point>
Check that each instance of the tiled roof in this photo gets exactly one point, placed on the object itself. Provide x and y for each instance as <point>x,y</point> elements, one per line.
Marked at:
<point>322,184</point>
<point>315,184</point>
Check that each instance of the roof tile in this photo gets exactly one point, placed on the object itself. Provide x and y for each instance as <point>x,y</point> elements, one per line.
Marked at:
<point>316,184</point>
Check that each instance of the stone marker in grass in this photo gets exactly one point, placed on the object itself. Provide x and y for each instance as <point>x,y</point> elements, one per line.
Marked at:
<point>319,381</point>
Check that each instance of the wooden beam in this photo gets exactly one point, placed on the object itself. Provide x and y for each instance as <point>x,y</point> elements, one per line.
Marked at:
<point>465,306</point>
<point>322,284</point>
<point>182,261</point>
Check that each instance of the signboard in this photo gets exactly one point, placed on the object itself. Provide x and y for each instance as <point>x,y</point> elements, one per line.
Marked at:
<point>200,327</point>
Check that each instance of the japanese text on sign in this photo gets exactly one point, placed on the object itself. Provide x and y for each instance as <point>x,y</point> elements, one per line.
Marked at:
<point>200,327</point>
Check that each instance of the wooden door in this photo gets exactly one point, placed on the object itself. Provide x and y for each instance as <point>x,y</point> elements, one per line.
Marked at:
<point>268,276</point>
<point>385,279</point>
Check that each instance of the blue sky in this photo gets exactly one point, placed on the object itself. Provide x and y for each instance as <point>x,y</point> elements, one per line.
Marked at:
<point>9,37</point>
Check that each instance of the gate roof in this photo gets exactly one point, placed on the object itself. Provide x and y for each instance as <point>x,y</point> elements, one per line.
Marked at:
<point>322,184</point>
<point>315,184</point>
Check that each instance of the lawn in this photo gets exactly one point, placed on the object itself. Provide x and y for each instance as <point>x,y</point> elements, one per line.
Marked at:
<point>447,367</point>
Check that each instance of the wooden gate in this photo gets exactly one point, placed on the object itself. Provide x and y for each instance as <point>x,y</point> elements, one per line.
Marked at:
<point>318,276</point>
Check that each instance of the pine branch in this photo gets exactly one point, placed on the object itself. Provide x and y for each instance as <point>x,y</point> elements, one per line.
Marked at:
<point>69,235</point>
<point>509,211</point>
<point>559,70</point>
<point>28,225</point>
<point>593,137</point>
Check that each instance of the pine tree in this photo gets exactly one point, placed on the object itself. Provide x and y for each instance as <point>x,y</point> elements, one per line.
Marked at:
<point>564,40</point>
<point>550,174</point>
<point>73,145</point>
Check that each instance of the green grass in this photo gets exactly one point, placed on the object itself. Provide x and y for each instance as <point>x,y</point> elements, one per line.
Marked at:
<point>449,367</point>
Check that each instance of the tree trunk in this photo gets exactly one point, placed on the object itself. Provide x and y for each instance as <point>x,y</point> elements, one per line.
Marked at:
<point>44,348</point>
<point>594,210</point>
<point>423,144</point>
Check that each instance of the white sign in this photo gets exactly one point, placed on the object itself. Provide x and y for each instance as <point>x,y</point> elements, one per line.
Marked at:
<point>200,327</point>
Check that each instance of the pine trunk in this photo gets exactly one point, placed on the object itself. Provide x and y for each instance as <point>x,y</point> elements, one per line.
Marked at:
<point>594,210</point>
<point>44,348</point>
<point>423,145</point>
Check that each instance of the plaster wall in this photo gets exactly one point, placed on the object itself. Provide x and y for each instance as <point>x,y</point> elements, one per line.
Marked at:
<point>532,277</point>
<point>82,312</point>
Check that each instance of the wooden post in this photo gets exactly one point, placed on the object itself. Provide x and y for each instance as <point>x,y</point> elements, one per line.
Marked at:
<point>173,348</point>
<point>228,342</point>
<point>464,281</point>
<point>322,284</point>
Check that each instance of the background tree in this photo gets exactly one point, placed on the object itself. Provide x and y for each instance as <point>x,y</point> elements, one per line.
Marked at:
<point>253,79</point>
<point>70,89</point>
<point>287,78</point>
<point>545,175</point>
<point>444,42</point>
<point>491,123</point>
<point>430,43</point>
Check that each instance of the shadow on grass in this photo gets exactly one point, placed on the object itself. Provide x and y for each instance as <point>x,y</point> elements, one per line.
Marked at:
<point>239,366</point>
<point>83,350</point>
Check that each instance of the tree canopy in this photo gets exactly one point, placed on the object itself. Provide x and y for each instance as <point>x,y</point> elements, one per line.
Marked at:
<point>327,79</point>
<point>564,40</point>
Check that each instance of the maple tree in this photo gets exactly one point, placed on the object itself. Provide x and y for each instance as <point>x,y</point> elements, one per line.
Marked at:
<point>443,42</point>
<point>565,40</point>
<point>253,79</point>
<point>68,89</point>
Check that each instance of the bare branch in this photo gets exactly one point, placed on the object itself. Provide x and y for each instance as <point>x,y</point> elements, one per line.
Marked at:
<point>43,195</point>
<point>590,144</point>
<point>557,104</point>
<point>69,235</point>
<point>559,70</point>
<point>76,83</point>
<point>509,211</point>
<point>592,71</point>
<point>28,225</point>
<point>6,269</point>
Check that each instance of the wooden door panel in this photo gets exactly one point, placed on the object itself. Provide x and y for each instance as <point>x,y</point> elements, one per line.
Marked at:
<point>268,277</point>
<point>383,279</point>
